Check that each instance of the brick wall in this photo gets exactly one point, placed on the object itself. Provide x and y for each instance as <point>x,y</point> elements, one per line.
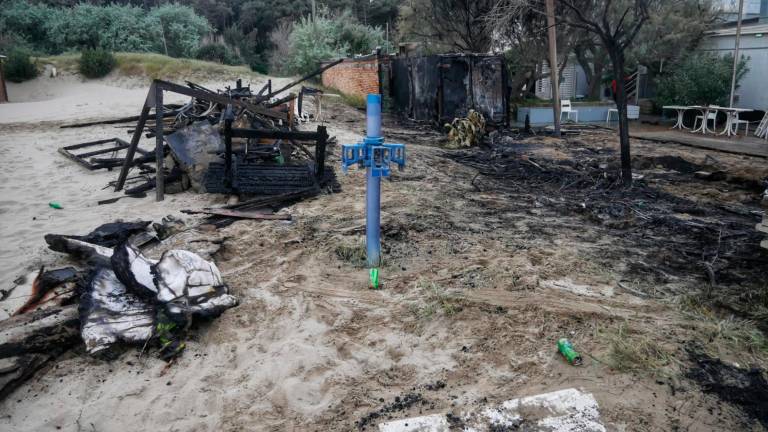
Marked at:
<point>354,77</point>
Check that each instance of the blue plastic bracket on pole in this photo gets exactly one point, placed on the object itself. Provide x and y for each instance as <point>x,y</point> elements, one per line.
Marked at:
<point>375,156</point>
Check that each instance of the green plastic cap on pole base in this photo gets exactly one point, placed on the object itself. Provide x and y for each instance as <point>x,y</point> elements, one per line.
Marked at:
<point>566,349</point>
<point>374,273</point>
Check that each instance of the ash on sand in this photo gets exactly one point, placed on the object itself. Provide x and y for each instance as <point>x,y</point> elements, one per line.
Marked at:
<point>746,388</point>
<point>689,237</point>
<point>401,403</point>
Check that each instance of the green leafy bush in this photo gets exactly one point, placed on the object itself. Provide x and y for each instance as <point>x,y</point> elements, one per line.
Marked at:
<point>180,29</point>
<point>700,79</point>
<point>257,64</point>
<point>26,21</point>
<point>329,37</point>
<point>218,53</point>
<point>171,29</point>
<point>18,67</point>
<point>95,63</point>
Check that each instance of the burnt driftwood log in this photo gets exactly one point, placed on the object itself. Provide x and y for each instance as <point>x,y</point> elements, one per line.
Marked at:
<point>29,341</point>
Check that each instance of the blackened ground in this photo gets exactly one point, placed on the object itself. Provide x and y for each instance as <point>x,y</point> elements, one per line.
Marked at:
<point>746,388</point>
<point>661,235</point>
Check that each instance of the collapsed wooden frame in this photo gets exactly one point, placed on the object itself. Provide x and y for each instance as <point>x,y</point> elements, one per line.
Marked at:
<point>155,99</point>
<point>98,163</point>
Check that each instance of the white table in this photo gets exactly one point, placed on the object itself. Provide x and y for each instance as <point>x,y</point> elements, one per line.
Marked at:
<point>680,112</point>
<point>733,114</point>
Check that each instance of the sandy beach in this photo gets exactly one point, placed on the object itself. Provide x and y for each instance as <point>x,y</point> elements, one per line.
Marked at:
<point>478,288</point>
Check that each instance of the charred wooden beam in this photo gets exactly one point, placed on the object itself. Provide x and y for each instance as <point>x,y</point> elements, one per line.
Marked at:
<point>29,341</point>
<point>220,99</point>
<point>302,79</point>
<point>282,100</point>
<point>173,110</point>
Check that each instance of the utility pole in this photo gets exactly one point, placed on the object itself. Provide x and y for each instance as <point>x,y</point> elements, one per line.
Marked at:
<point>736,52</point>
<point>554,80</point>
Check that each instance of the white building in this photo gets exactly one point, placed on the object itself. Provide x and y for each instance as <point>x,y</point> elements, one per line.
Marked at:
<point>753,88</point>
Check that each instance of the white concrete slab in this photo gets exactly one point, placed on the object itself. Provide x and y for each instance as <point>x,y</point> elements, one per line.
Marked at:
<point>568,410</point>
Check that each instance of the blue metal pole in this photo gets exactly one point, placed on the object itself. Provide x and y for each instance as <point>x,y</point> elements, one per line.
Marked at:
<point>373,116</point>
<point>376,156</point>
<point>373,186</point>
<point>373,219</point>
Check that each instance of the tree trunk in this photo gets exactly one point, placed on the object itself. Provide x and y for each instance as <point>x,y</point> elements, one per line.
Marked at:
<point>554,81</point>
<point>593,68</point>
<point>617,58</point>
<point>597,75</point>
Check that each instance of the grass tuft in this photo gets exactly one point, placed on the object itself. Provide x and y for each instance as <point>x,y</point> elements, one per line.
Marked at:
<point>739,339</point>
<point>353,100</point>
<point>435,300</point>
<point>633,352</point>
<point>354,254</point>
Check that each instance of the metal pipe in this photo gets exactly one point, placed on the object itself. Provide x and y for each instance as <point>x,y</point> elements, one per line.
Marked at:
<point>373,116</point>
<point>373,185</point>
<point>373,219</point>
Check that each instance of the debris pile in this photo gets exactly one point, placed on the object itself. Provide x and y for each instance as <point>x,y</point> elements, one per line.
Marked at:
<point>116,295</point>
<point>466,131</point>
<point>233,140</point>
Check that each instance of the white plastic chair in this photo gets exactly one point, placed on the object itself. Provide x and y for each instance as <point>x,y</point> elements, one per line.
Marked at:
<point>566,108</point>
<point>711,116</point>
<point>737,121</point>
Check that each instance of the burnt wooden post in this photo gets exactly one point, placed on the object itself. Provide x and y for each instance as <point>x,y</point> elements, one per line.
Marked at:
<point>322,139</point>
<point>135,138</point>
<point>228,117</point>
<point>301,101</point>
<point>159,154</point>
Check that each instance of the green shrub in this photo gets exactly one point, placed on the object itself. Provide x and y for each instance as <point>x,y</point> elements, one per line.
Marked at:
<point>218,53</point>
<point>179,29</point>
<point>699,79</point>
<point>18,67</point>
<point>171,29</point>
<point>95,63</point>
<point>330,37</point>
<point>258,65</point>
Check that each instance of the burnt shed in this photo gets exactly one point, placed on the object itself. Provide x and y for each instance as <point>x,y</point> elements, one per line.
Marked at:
<point>441,87</point>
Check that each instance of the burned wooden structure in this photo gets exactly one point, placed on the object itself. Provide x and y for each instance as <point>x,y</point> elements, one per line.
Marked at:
<point>247,173</point>
<point>238,173</point>
<point>271,158</point>
<point>84,154</point>
<point>439,88</point>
